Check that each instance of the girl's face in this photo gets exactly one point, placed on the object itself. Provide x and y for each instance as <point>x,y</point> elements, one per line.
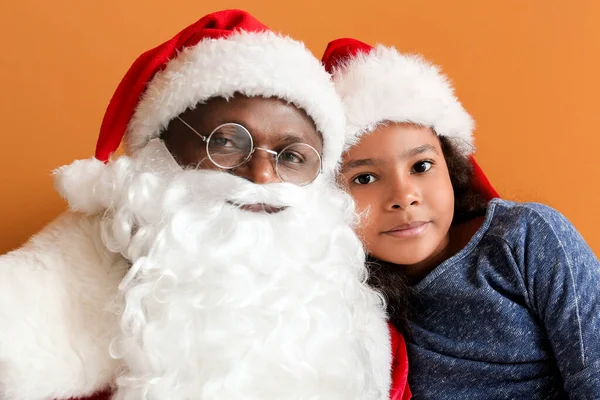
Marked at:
<point>400,182</point>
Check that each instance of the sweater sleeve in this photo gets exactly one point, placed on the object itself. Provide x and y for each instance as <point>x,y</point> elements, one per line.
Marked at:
<point>562,276</point>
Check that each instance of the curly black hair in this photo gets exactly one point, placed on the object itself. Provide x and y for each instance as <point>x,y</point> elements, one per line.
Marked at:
<point>468,202</point>
<point>388,278</point>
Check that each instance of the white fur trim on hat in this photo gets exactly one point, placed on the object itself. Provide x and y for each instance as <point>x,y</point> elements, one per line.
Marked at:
<point>75,183</point>
<point>387,86</point>
<point>253,64</point>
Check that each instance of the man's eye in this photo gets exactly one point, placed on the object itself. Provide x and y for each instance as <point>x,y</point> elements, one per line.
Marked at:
<point>292,157</point>
<point>364,179</point>
<point>221,141</point>
<point>422,166</point>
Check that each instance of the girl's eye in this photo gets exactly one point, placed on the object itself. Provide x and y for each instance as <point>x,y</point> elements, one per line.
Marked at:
<point>422,166</point>
<point>364,179</point>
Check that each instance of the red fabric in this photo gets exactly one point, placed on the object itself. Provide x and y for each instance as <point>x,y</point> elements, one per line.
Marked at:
<point>102,396</point>
<point>105,395</point>
<point>481,182</point>
<point>340,50</point>
<point>399,389</point>
<point>125,99</point>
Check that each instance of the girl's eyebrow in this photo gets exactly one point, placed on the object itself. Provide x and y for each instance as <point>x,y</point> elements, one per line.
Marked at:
<point>419,150</point>
<point>357,163</point>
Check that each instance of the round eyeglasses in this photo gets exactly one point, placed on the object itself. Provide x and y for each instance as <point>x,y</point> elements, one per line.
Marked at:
<point>230,145</point>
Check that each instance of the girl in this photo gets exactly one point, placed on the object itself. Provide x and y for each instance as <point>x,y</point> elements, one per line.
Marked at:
<point>503,296</point>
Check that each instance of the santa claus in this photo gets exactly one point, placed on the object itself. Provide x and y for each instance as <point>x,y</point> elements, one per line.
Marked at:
<point>216,259</point>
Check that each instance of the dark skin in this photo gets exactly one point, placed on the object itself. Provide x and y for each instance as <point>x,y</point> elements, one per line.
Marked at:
<point>399,174</point>
<point>272,122</point>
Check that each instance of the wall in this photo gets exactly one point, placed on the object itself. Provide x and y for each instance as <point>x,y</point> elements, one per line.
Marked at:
<point>527,70</point>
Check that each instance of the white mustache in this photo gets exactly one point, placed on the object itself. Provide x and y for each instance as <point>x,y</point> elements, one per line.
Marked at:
<point>219,187</point>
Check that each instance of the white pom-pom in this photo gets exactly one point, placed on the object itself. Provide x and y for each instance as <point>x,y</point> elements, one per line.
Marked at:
<point>76,182</point>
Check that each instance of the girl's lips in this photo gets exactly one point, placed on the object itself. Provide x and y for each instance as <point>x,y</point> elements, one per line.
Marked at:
<point>408,230</point>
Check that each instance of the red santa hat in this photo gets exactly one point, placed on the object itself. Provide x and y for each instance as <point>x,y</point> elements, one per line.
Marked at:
<point>379,84</point>
<point>223,53</point>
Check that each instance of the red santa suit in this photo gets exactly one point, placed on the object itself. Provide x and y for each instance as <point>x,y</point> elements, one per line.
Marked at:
<point>74,300</point>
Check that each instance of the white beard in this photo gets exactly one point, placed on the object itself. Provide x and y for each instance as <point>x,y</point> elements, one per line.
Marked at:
<point>223,303</point>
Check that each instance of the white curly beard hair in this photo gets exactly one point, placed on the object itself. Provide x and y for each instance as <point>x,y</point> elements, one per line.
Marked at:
<point>224,303</point>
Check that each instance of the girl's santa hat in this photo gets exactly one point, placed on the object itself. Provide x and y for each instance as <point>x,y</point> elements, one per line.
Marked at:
<point>379,84</point>
<point>223,53</point>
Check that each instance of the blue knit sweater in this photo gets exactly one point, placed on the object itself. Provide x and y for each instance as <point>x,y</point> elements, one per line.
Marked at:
<point>514,315</point>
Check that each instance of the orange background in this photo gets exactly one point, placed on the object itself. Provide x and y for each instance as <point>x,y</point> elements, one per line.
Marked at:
<point>527,70</point>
